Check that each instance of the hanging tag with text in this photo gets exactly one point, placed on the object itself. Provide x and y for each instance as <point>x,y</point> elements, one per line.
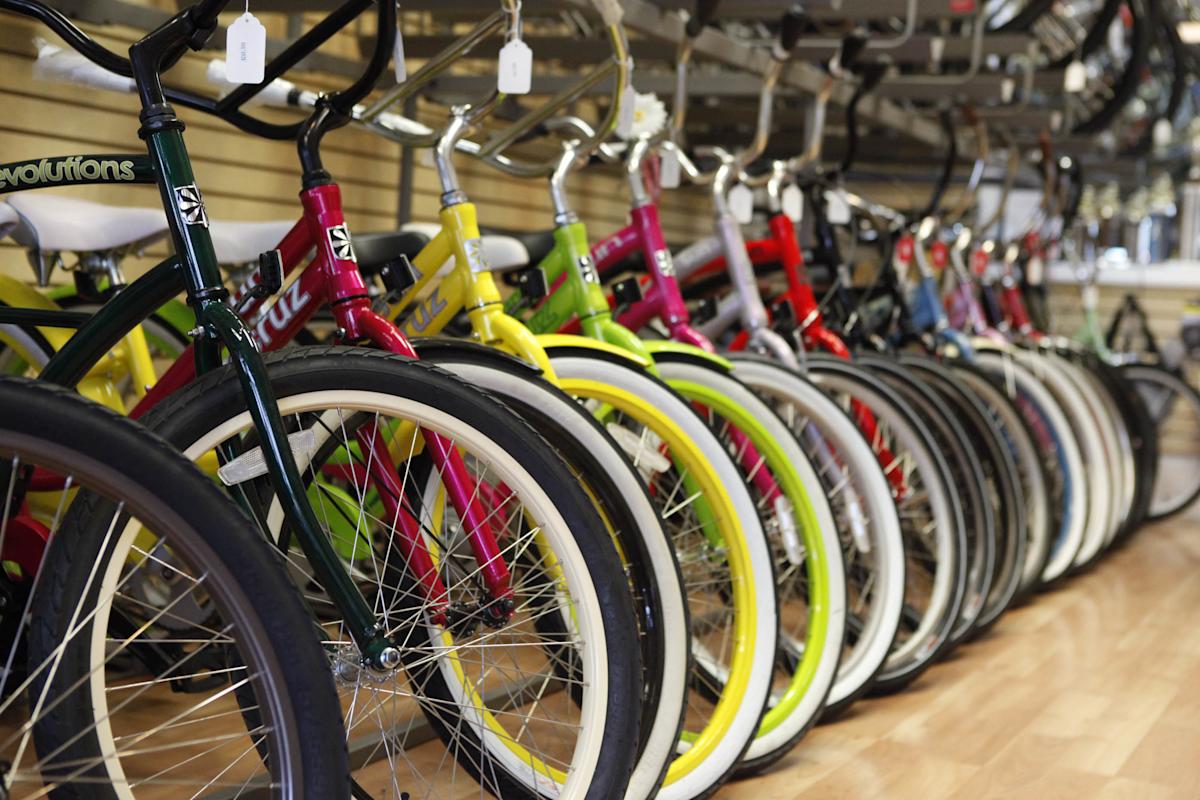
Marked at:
<point>516,68</point>
<point>741,204</point>
<point>668,169</point>
<point>625,114</point>
<point>792,201</point>
<point>245,50</point>
<point>837,208</point>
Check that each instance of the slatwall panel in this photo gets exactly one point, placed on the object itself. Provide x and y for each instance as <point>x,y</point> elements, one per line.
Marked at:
<point>247,178</point>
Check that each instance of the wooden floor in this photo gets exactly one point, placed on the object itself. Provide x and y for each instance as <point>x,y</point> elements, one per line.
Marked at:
<point>1088,691</point>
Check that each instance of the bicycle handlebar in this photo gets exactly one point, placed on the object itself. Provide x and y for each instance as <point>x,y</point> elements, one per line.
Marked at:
<point>102,67</point>
<point>85,45</point>
<point>791,27</point>
<point>376,118</point>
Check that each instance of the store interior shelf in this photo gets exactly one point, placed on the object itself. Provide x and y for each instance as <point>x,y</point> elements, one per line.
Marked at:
<point>1172,274</point>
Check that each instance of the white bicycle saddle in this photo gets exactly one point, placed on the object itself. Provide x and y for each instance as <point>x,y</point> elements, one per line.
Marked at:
<point>54,223</point>
<point>9,219</point>
<point>500,253</point>
<point>242,242</point>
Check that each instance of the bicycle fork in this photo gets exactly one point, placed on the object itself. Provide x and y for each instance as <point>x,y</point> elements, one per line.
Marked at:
<point>217,326</point>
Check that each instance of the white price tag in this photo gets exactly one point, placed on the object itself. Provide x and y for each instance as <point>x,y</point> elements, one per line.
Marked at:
<point>245,50</point>
<point>516,68</point>
<point>837,208</point>
<point>792,201</point>
<point>398,58</point>
<point>626,114</point>
<point>668,169</point>
<point>741,204</point>
<point>1075,77</point>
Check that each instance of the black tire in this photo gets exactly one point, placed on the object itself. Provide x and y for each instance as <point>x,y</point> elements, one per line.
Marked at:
<point>1001,480</point>
<point>1032,489</point>
<point>1165,394</point>
<point>1143,439</point>
<point>655,579</point>
<point>216,397</point>
<point>844,380</point>
<point>118,461</point>
<point>950,429</point>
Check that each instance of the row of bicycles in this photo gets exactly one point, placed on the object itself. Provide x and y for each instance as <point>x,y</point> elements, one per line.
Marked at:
<point>478,512</point>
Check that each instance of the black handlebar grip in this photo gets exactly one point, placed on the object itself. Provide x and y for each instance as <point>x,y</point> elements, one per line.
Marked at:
<point>705,11</point>
<point>872,75</point>
<point>791,26</point>
<point>853,44</point>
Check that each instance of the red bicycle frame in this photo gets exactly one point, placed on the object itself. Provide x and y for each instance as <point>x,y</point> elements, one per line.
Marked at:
<point>332,276</point>
<point>783,248</point>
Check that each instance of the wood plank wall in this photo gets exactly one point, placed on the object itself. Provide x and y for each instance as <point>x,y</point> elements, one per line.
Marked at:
<point>243,177</point>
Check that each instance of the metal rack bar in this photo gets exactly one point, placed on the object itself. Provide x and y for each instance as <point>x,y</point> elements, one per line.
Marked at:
<point>651,20</point>
<point>573,51</point>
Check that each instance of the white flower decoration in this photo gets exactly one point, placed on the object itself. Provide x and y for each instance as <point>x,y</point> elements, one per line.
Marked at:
<point>649,116</point>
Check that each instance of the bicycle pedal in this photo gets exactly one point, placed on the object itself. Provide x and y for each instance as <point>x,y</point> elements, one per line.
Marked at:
<point>270,270</point>
<point>783,311</point>
<point>270,279</point>
<point>705,310</point>
<point>398,275</point>
<point>532,283</point>
<point>628,291</point>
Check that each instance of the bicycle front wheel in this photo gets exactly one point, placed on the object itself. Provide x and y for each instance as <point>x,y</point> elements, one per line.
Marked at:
<point>1174,405</point>
<point>167,650</point>
<point>809,572</point>
<point>530,699</point>
<point>867,520</point>
<point>722,551</point>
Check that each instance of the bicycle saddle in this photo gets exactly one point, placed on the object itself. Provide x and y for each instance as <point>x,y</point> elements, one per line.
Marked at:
<point>376,249</point>
<point>537,244</point>
<point>9,219</point>
<point>501,251</point>
<point>54,223</point>
<point>373,250</point>
<point>242,242</point>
